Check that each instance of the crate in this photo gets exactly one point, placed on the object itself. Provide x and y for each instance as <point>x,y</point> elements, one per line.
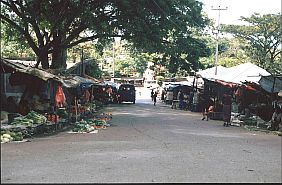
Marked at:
<point>11,117</point>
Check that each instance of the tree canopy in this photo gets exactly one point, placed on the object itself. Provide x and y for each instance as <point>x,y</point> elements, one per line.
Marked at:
<point>169,27</point>
<point>262,38</point>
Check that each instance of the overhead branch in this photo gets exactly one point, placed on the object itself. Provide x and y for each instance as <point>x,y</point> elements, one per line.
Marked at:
<point>93,37</point>
<point>12,23</point>
<point>273,46</point>
<point>35,26</point>
<point>275,55</point>
<point>75,33</point>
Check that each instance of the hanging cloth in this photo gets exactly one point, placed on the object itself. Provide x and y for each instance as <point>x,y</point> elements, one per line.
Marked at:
<point>60,98</point>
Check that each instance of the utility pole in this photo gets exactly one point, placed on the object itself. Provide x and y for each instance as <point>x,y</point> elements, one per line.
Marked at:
<point>82,63</point>
<point>217,36</point>
<point>113,59</point>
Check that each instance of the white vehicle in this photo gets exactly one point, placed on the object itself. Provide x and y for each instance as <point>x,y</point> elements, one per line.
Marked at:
<point>151,84</point>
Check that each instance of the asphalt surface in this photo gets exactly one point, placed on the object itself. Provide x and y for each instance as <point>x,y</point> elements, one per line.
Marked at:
<point>146,143</point>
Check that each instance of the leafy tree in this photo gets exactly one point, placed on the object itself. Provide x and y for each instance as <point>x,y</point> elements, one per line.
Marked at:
<point>140,62</point>
<point>233,54</point>
<point>13,45</point>
<point>94,70</point>
<point>52,26</point>
<point>230,53</point>
<point>223,47</point>
<point>262,38</point>
<point>55,25</point>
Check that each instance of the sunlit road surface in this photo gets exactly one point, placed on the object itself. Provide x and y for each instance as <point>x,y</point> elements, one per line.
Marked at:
<point>146,143</point>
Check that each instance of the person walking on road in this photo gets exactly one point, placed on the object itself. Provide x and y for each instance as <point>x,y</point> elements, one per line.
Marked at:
<point>205,102</point>
<point>155,98</point>
<point>152,95</point>
<point>180,97</point>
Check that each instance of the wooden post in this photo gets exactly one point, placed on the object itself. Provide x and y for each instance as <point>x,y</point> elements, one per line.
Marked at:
<point>75,106</point>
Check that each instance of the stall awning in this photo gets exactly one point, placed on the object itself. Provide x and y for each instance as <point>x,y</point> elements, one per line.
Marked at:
<point>246,72</point>
<point>209,73</point>
<point>92,78</point>
<point>41,74</point>
<point>227,84</point>
<point>271,84</point>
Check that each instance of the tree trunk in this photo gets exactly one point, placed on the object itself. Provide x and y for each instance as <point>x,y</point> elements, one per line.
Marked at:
<point>43,59</point>
<point>59,54</point>
<point>59,58</point>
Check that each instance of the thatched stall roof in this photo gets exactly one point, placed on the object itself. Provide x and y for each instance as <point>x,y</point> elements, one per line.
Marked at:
<point>66,81</point>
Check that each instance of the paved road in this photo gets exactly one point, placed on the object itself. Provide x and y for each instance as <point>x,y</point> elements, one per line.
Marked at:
<point>146,143</point>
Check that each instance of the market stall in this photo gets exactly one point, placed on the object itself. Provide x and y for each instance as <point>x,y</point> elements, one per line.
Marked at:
<point>41,95</point>
<point>253,92</point>
<point>45,102</point>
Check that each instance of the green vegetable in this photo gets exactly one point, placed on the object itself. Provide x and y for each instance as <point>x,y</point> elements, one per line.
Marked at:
<point>22,121</point>
<point>13,134</point>
<point>36,117</point>
<point>5,140</point>
<point>6,136</point>
<point>100,122</point>
<point>18,138</point>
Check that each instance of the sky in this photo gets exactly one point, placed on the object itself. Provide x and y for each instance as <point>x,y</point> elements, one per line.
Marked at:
<point>237,8</point>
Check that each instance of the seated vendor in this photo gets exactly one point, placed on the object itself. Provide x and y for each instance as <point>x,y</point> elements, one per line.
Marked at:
<point>11,105</point>
<point>276,120</point>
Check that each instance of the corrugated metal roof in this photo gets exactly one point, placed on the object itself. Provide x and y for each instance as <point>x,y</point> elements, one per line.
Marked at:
<point>237,74</point>
<point>244,72</point>
<point>271,86</point>
<point>210,73</point>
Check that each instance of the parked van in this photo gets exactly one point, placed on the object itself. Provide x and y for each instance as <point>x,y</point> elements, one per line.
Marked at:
<point>126,93</point>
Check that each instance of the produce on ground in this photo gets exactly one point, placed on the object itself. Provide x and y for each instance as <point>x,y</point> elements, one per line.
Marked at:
<point>31,118</point>
<point>82,127</point>
<point>36,117</point>
<point>99,122</point>
<point>7,136</point>
<point>88,125</point>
